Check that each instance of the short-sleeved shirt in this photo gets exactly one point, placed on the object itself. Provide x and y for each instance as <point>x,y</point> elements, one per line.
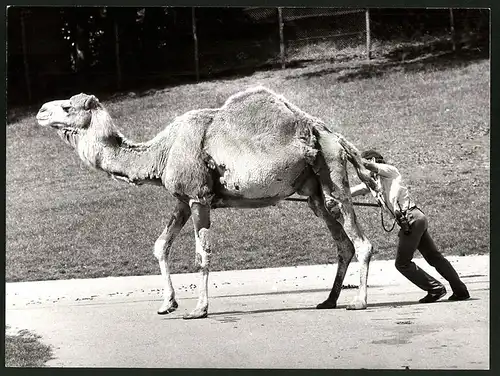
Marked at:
<point>395,194</point>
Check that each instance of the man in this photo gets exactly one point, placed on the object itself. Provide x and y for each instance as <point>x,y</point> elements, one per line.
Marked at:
<point>413,234</point>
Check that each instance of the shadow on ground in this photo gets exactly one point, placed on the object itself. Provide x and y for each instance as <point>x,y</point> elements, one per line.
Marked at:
<point>227,315</point>
<point>411,58</point>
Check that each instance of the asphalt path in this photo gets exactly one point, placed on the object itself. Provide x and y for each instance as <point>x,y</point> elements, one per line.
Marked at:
<point>259,319</point>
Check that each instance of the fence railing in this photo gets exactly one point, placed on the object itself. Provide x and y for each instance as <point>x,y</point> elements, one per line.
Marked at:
<point>274,36</point>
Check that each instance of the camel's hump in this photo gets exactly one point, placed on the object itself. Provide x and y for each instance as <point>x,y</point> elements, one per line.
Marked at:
<point>250,92</point>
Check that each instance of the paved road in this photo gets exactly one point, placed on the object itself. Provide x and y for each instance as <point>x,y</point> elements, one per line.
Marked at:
<point>258,319</point>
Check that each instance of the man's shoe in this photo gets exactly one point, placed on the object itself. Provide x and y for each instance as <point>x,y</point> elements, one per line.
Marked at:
<point>462,296</point>
<point>327,304</point>
<point>431,297</point>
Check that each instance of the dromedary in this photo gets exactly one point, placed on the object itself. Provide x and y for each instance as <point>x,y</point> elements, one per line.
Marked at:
<point>255,150</point>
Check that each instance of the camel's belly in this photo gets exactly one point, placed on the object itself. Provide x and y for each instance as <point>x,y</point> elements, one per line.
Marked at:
<point>254,191</point>
<point>263,165</point>
<point>260,180</point>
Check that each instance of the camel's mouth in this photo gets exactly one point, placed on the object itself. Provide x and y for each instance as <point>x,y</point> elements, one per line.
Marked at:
<point>45,121</point>
<point>42,120</point>
<point>57,126</point>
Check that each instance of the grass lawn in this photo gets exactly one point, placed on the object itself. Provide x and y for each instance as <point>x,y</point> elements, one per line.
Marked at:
<point>429,116</point>
<point>24,349</point>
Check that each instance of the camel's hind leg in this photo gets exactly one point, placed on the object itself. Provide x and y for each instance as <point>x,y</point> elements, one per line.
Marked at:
<point>345,249</point>
<point>336,192</point>
<point>162,251</point>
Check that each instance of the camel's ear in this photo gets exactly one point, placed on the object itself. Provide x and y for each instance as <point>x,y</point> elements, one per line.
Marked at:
<point>91,103</point>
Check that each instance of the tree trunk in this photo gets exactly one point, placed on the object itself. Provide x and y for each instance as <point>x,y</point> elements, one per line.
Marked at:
<point>117,56</point>
<point>452,31</point>
<point>282,40</point>
<point>195,39</point>
<point>368,35</point>
<point>25,56</point>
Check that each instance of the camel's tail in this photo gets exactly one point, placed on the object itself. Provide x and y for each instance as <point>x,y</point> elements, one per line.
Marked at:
<point>354,156</point>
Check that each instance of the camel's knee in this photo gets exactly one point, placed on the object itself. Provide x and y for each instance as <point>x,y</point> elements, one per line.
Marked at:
<point>364,252</point>
<point>332,203</point>
<point>202,260</point>
<point>333,206</point>
<point>203,249</point>
<point>160,249</point>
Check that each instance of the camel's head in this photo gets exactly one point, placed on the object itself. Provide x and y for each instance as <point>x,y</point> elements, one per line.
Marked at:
<point>74,113</point>
<point>83,123</point>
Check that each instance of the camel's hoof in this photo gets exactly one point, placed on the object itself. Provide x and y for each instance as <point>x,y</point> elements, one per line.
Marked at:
<point>196,314</point>
<point>167,308</point>
<point>356,305</point>
<point>327,304</point>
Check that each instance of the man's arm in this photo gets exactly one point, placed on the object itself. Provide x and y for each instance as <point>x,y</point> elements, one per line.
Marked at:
<point>360,189</point>
<point>382,169</point>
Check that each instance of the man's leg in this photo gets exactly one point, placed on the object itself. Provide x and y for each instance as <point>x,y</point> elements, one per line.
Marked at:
<point>406,248</point>
<point>431,254</point>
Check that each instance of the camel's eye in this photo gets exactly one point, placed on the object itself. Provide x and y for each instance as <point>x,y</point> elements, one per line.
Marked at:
<point>66,108</point>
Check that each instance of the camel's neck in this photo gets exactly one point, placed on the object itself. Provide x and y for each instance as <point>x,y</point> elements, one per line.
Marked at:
<point>105,148</point>
<point>135,163</point>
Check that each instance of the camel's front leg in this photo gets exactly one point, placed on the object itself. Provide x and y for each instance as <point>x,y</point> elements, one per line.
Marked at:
<point>201,220</point>
<point>162,251</point>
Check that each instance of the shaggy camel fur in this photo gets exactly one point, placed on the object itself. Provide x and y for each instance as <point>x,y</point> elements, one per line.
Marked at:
<point>255,150</point>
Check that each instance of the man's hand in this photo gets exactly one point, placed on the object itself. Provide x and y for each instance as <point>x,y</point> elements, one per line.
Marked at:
<point>382,169</point>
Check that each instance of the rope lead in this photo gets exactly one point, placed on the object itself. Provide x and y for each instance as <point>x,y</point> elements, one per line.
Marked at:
<point>382,221</point>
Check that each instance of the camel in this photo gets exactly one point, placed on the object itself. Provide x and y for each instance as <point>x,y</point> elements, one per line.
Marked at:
<point>253,151</point>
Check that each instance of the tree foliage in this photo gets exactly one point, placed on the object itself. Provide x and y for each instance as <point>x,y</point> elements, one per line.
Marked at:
<point>68,49</point>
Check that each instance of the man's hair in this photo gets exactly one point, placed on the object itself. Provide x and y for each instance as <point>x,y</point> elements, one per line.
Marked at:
<point>369,154</point>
